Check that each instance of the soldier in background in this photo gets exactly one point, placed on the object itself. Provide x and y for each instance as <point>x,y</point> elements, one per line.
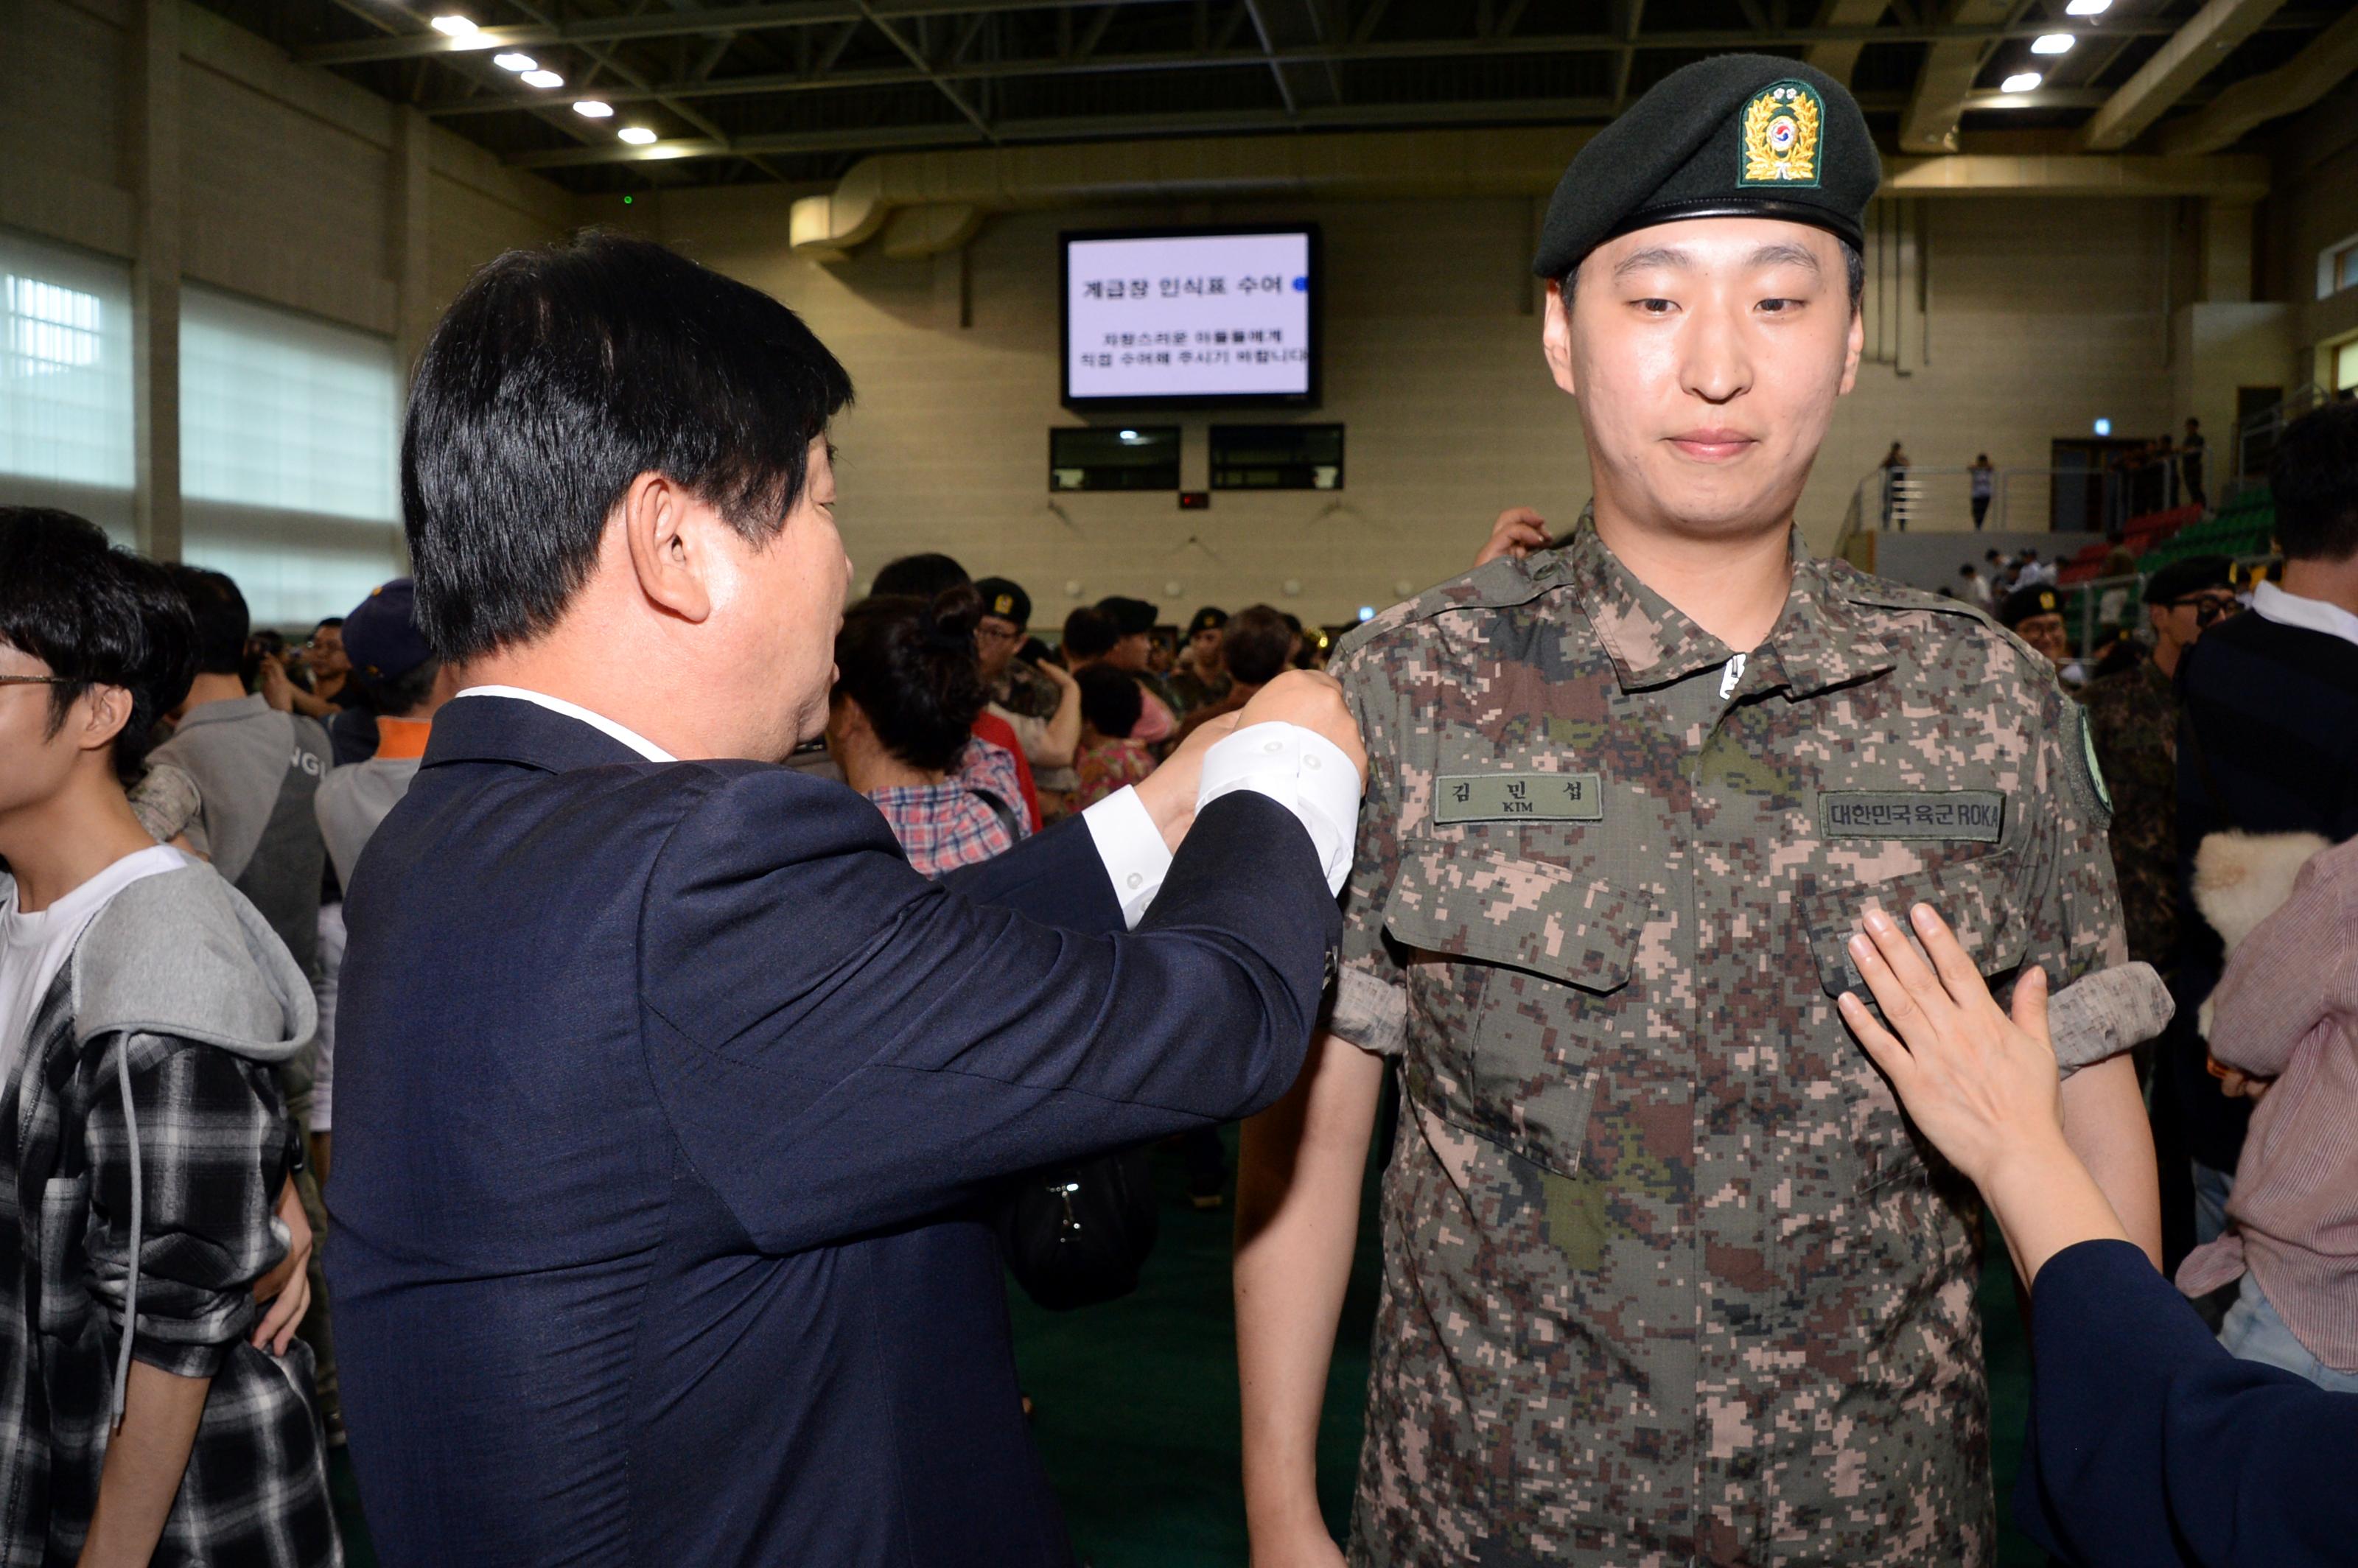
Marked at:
<point>2133,719</point>
<point>1667,1278</point>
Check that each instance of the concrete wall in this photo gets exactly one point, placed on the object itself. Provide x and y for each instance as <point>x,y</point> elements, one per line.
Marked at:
<point>2043,315</point>
<point>154,132</point>
<point>2315,204</point>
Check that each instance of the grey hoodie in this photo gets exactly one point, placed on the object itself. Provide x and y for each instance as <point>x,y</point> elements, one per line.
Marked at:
<point>179,954</point>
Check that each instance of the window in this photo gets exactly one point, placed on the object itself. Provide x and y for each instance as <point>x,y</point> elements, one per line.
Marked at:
<point>65,430</point>
<point>2345,366</point>
<point>290,432</point>
<point>2336,268</point>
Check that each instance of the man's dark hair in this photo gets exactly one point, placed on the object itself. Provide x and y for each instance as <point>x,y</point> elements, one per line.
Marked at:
<point>918,576</point>
<point>1110,700</point>
<point>1255,645</point>
<point>2313,477</point>
<point>558,376</point>
<point>1854,279</point>
<point>1090,633</point>
<point>223,622</point>
<point>2192,423</point>
<point>910,664</point>
<point>331,624</point>
<point>98,616</point>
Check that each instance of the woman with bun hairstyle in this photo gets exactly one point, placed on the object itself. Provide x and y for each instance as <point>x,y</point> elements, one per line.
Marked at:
<point>899,724</point>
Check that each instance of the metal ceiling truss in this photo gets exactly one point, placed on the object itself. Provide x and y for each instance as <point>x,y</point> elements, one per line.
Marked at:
<point>984,65</point>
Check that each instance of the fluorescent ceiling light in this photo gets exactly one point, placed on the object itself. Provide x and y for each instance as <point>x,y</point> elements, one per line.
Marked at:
<point>2021,81</point>
<point>637,135</point>
<point>456,27</point>
<point>543,79</point>
<point>516,62</point>
<point>594,108</point>
<point>2053,43</point>
<point>2087,7</point>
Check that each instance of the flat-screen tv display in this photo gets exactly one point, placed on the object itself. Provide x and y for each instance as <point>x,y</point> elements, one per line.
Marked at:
<point>1174,317</point>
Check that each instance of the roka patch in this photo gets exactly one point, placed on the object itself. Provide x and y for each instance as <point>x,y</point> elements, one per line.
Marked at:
<point>1977,816</point>
<point>1519,797</point>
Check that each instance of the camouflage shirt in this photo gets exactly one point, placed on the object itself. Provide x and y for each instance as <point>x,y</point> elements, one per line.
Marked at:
<point>2133,720</point>
<point>1667,1277</point>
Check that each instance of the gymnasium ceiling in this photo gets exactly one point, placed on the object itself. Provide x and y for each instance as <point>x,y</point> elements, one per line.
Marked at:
<point>795,91</point>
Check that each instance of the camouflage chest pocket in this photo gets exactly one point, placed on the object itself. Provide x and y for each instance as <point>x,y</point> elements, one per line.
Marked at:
<point>1513,964</point>
<point>1978,898</point>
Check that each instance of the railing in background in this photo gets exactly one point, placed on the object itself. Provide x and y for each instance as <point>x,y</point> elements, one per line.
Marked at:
<point>1939,500</point>
<point>2255,437</point>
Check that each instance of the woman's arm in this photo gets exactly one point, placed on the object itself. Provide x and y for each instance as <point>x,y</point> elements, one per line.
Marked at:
<point>1983,1086</point>
<point>1063,737</point>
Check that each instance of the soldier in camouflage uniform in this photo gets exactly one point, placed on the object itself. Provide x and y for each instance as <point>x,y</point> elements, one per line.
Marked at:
<point>1667,1277</point>
<point>2133,717</point>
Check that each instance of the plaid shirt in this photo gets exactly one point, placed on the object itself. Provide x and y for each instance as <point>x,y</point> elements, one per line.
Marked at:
<point>214,1151</point>
<point>943,826</point>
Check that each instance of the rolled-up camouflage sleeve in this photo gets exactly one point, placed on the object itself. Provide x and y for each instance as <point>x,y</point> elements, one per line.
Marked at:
<point>1371,1001</point>
<point>2075,905</point>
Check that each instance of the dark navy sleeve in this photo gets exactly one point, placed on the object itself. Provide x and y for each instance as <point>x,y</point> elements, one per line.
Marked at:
<point>842,1045</point>
<point>2150,1444</point>
<point>1055,877</point>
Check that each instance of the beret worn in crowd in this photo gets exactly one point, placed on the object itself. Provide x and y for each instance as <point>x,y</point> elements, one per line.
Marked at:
<point>1739,135</point>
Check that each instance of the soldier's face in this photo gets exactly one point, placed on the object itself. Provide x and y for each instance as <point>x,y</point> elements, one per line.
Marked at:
<point>1706,356</point>
<point>2047,634</point>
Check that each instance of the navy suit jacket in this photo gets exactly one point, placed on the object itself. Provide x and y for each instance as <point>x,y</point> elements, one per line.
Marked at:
<point>661,1088</point>
<point>2150,1446</point>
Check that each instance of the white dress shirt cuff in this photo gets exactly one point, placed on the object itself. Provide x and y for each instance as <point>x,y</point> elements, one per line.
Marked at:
<point>1302,771</point>
<point>1136,859</point>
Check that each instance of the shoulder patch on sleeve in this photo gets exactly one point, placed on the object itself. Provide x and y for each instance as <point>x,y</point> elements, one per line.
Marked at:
<point>2086,774</point>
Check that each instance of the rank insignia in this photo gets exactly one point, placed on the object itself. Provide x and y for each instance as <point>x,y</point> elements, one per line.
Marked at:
<point>1781,135</point>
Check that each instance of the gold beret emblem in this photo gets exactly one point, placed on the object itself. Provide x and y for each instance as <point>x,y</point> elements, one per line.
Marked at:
<point>1781,135</point>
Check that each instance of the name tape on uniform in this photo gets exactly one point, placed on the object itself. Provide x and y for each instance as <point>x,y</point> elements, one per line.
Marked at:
<point>1974,815</point>
<point>1514,797</point>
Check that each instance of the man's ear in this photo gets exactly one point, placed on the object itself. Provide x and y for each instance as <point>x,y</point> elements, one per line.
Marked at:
<point>671,537</point>
<point>1555,339</point>
<point>1853,347</point>
<point>104,710</point>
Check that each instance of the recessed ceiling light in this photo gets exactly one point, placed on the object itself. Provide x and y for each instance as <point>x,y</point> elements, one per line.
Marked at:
<point>543,79</point>
<point>516,62</point>
<point>456,27</point>
<point>2021,81</point>
<point>2053,43</point>
<point>2087,7</point>
<point>637,135</point>
<point>594,108</point>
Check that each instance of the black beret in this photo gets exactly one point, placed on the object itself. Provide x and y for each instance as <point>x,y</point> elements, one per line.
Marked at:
<point>2167,586</point>
<point>1211,617</point>
<point>1737,135</point>
<point>1129,616</point>
<point>1005,599</point>
<point>2025,602</point>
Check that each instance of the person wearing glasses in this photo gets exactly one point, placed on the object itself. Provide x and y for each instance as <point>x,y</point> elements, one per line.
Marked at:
<point>2133,720</point>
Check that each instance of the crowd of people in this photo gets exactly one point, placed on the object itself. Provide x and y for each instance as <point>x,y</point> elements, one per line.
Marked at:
<point>1700,902</point>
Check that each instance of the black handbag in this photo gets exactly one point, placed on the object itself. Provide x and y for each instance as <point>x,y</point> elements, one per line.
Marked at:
<point>1076,1235</point>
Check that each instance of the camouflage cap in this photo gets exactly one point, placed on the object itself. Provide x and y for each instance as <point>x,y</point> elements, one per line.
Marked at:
<point>1737,135</point>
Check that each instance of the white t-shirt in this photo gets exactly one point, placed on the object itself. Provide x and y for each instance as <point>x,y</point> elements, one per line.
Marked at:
<point>34,948</point>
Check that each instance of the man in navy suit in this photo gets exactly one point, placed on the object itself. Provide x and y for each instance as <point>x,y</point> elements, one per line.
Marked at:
<point>666,1081</point>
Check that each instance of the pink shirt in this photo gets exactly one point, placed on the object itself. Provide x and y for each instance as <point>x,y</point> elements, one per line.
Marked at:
<point>2288,1008</point>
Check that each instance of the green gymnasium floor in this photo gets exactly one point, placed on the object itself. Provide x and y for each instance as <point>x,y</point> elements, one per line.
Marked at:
<point>1137,1404</point>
